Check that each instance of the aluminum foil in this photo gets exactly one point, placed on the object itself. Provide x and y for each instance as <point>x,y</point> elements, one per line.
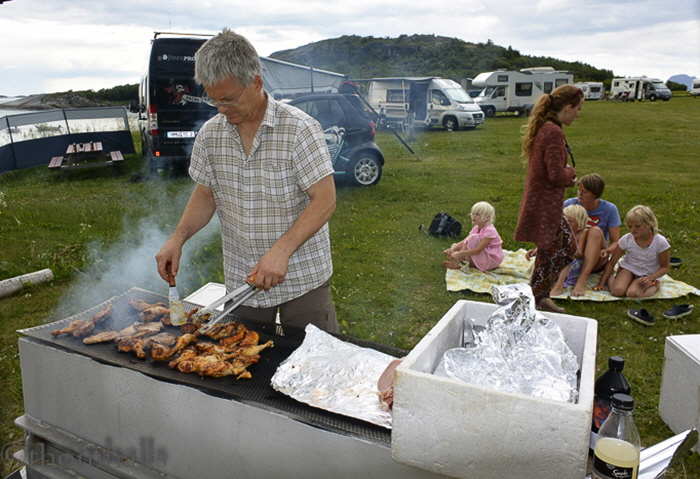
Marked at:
<point>337,376</point>
<point>518,350</point>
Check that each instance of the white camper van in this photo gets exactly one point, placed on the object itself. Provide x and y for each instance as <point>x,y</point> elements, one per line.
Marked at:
<point>695,89</point>
<point>591,90</point>
<point>639,88</point>
<point>517,90</point>
<point>424,101</point>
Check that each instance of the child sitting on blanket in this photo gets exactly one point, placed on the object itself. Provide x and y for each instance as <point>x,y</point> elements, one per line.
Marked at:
<point>577,216</point>
<point>482,247</point>
<point>647,257</point>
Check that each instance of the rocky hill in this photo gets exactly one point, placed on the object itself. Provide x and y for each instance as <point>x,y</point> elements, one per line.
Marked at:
<point>423,55</point>
<point>52,101</point>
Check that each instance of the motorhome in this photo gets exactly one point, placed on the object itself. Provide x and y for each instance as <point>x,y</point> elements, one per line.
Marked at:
<point>639,88</point>
<point>592,90</point>
<point>423,102</point>
<point>171,106</point>
<point>695,89</point>
<point>517,91</point>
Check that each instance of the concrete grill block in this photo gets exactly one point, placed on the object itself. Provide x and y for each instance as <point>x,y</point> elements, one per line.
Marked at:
<point>461,430</point>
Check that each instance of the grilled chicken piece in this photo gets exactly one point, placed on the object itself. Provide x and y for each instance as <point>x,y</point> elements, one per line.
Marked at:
<point>82,327</point>
<point>166,339</point>
<point>103,337</point>
<point>140,305</point>
<point>251,338</point>
<point>164,353</point>
<point>235,338</point>
<point>154,313</point>
<point>187,354</point>
<point>139,330</point>
<point>126,345</point>
<point>77,327</point>
<point>102,315</point>
<point>224,330</point>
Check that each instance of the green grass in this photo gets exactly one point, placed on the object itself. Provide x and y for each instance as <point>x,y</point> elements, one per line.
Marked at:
<point>99,235</point>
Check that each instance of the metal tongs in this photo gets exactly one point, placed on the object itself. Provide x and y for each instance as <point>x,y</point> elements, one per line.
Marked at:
<point>242,294</point>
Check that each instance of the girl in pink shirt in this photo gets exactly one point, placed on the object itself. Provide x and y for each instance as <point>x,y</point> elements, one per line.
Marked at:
<point>482,248</point>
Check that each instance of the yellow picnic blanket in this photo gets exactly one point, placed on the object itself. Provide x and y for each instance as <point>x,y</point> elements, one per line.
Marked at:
<point>516,269</point>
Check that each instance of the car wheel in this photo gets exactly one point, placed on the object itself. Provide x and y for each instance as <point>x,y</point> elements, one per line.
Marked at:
<point>450,123</point>
<point>364,169</point>
<point>652,97</point>
<point>490,112</point>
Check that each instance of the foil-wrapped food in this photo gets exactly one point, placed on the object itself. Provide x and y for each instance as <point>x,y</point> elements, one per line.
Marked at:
<point>336,376</point>
<point>517,350</point>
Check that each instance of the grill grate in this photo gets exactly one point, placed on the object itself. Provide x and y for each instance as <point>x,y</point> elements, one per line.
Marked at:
<point>257,391</point>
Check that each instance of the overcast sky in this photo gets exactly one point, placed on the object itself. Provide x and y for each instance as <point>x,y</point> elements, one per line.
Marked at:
<point>59,45</point>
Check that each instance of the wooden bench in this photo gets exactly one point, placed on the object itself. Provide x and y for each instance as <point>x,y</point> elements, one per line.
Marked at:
<point>56,163</point>
<point>116,156</point>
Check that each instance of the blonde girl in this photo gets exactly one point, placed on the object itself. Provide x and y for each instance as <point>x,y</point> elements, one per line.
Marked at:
<point>482,248</point>
<point>647,255</point>
<point>577,216</point>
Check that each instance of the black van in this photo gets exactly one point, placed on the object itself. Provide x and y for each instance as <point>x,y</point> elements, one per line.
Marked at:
<point>170,106</point>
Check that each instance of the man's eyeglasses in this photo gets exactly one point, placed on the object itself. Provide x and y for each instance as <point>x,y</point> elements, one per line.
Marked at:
<point>223,104</point>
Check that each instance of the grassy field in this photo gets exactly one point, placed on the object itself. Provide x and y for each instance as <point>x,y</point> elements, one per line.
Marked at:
<point>99,234</point>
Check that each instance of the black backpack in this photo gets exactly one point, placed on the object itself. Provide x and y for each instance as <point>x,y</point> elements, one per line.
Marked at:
<point>444,226</point>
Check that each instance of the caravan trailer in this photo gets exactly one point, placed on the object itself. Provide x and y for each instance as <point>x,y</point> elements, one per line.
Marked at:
<point>695,89</point>
<point>592,90</point>
<point>517,91</point>
<point>424,102</point>
<point>639,88</point>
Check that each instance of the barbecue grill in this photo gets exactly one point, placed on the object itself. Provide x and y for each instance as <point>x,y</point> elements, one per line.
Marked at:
<point>94,412</point>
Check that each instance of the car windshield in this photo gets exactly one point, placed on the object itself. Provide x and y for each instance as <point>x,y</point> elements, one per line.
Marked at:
<point>458,95</point>
<point>660,85</point>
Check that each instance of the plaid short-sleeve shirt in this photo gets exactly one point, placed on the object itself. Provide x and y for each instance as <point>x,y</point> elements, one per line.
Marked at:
<point>259,197</point>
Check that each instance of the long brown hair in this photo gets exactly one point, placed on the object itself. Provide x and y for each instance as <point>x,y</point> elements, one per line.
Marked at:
<point>546,109</point>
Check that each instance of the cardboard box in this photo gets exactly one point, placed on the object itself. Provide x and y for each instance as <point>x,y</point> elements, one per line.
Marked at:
<point>461,430</point>
<point>679,401</point>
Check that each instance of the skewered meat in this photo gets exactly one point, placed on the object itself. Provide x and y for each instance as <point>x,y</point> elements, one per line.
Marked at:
<point>103,337</point>
<point>163,353</point>
<point>154,313</point>
<point>140,305</point>
<point>82,327</point>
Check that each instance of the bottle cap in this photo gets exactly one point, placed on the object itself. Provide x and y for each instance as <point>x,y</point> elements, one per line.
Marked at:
<point>622,402</point>
<point>616,363</point>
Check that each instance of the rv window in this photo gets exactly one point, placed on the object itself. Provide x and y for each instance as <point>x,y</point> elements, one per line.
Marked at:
<point>439,98</point>
<point>523,89</point>
<point>617,83</point>
<point>502,78</point>
<point>561,81</point>
<point>548,87</point>
<point>396,96</point>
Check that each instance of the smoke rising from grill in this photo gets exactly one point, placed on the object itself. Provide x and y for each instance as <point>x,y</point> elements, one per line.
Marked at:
<point>129,261</point>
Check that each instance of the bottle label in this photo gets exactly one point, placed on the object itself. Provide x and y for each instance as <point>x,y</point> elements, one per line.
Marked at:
<point>605,470</point>
<point>601,410</point>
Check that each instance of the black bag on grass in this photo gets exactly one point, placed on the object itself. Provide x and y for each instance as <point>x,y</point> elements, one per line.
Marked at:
<point>444,226</point>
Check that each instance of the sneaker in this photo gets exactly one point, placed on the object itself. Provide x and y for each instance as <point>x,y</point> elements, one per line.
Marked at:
<point>678,311</point>
<point>641,316</point>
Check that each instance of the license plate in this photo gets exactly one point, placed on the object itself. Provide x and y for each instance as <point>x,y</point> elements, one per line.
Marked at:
<point>181,134</point>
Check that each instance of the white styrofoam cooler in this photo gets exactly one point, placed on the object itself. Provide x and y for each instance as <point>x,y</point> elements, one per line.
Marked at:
<point>461,430</point>
<point>679,401</point>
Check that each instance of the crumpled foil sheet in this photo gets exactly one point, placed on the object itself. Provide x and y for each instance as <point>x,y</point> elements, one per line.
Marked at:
<point>331,374</point>
<point>519,350</point>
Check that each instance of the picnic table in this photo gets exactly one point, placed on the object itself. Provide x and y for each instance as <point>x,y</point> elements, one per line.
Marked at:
<point>86,155</point>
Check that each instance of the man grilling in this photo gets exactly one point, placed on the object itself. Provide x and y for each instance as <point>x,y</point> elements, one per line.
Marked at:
<point>264,168</point>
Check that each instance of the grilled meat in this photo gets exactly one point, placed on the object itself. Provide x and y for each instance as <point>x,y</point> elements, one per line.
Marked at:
<point>164,353</point>
<point>103,337</point>
<point>140,305</point>
<point>82,327</point>
<point>154,313</point>
<point>166,339</point>
<point>131,344</point>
